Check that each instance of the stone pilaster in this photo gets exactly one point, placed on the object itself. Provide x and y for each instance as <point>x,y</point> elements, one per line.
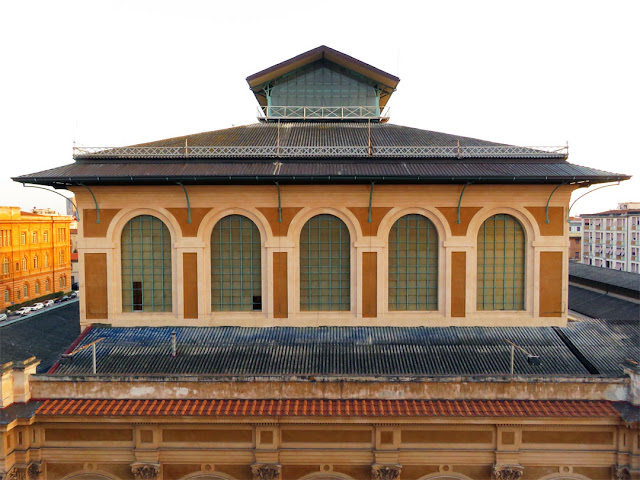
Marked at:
<point>266,471</point>
<point>145,471</point>
<point>385,472</point>
<point>507,472</point>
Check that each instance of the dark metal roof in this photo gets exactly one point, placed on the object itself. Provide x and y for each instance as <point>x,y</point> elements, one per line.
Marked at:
<point>600,276</point>
<point>601,305</point>
<point>348,351</point>
<point>44,336</point>
<point>606,343</point>
<point>18,411</point>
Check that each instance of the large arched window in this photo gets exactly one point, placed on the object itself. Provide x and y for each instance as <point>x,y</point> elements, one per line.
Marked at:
<point>413,264</point>
<point>325,264</point>
<point>501,260</point>
<point>146,265</point>
<point>236,278</point>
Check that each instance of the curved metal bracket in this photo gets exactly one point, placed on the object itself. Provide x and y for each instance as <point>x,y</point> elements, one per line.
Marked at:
<point>587,193</point>
<point>188,203</point>
<point>279,204</point>
<point>94,201</point>
<point>460,200</point>
<point>370,200</point>
<point>57,193</point>
<point>549,200</point>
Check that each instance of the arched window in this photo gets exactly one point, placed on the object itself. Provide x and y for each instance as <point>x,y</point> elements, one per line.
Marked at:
<point>62,281</point>
<point>26,290</point>
<point>37,288</point>
<point>7,296</point>
<point>146,265</point>
<point>24,263</point>
<point>236,278</point>
<point>47,285</point>
<point>501,257</point>
<point>61,257</point>
<point>413,264</point>
<point>23,238</point>
<point>45,236</point>
<point>46,260</point>
<point>34,237</point>
<point>5,266</point>
<point>35,261</point>
<point>325,264</point>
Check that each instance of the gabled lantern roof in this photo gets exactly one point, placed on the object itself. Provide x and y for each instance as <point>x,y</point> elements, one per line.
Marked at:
<point>386,82</point>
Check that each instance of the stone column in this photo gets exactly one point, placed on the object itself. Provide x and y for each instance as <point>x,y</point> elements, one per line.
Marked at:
<point>145,471</point>
<point>385,472</point>
<point>507,472</point>
<point>266,471</point>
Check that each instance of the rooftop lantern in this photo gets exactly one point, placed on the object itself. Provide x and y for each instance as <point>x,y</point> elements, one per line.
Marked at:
<point>323,85</point>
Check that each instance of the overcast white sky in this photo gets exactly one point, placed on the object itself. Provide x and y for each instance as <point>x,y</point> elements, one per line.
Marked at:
<point>122,72</point>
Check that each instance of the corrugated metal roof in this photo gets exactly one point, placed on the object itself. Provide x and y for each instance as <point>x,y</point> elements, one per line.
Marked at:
<point>601,305</point>
<point>294,171</point>
<point>604,276</point>
<point>349,351</point>
<point>328,408</point>
<point>606,343</point>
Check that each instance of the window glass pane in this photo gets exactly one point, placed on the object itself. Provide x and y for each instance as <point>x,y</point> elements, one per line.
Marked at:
<point>501,257</point>
<point>325,265</point>
<point>236,277</point>
<point>146,265</point>
<point>413,264</point>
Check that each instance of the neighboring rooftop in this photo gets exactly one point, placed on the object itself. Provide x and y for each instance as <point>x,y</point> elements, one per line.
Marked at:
<point>606,279</point>
<point>349,351</point>
<point>601,305</point>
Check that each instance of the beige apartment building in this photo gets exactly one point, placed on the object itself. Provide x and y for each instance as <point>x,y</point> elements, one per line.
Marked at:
<point>325,295</point>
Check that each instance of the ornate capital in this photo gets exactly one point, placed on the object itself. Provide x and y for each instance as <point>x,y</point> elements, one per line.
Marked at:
<point>507,472</point>
<point>622,473</point>
<point>265,471</point>
<point>145,471</point>
<point>17,473</point>
<point>34,471</point>
<point>385,472</point>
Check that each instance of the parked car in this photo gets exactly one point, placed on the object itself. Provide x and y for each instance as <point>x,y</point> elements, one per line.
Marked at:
<point>73,294</point>
<point>24,311</point>
<point>65,298</point>
<point>48,303</point>
<point>37,306</point>
<point>3,317</point>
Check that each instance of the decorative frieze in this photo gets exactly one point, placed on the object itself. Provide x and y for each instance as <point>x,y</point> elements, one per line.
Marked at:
<point>34,471</point>
<point>17,473</point>
<point>385,472</point>
<point>145,471</point>
<point>507,472</point>
<point>265,471</point>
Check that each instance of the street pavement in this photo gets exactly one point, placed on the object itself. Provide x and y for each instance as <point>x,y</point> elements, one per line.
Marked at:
<point>44,334</point>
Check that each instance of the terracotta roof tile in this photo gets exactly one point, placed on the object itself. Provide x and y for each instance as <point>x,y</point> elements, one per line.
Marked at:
<point>328,408</point>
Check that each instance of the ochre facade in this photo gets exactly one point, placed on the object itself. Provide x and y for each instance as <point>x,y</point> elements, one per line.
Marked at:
<point>280,233</point>
<point>35,256</point>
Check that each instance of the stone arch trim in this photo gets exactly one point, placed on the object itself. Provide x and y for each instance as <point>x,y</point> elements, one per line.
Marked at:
<point>434,216</point>
<point>445,476</point>
<point>564,476</point>
<point>210,220</point>
<point>526,219</point>
<point>122,218</point>
<point>303,216</point>
<point>326,476</point>
<point>207,476</point>
<point>95,475</point>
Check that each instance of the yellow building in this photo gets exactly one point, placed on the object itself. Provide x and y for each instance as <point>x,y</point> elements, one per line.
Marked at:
<point>34,256</point>
<point>324,295</point>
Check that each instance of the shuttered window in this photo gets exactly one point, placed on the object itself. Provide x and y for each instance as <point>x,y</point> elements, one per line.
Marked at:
<point>325,265</point>
<point>236,277</point>
<point>146,265</point>
<point>501,264</point>
<point>413,264</point>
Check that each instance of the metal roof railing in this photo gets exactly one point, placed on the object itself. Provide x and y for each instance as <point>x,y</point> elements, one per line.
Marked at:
<point>356,112</point>
<point>497,151</point>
